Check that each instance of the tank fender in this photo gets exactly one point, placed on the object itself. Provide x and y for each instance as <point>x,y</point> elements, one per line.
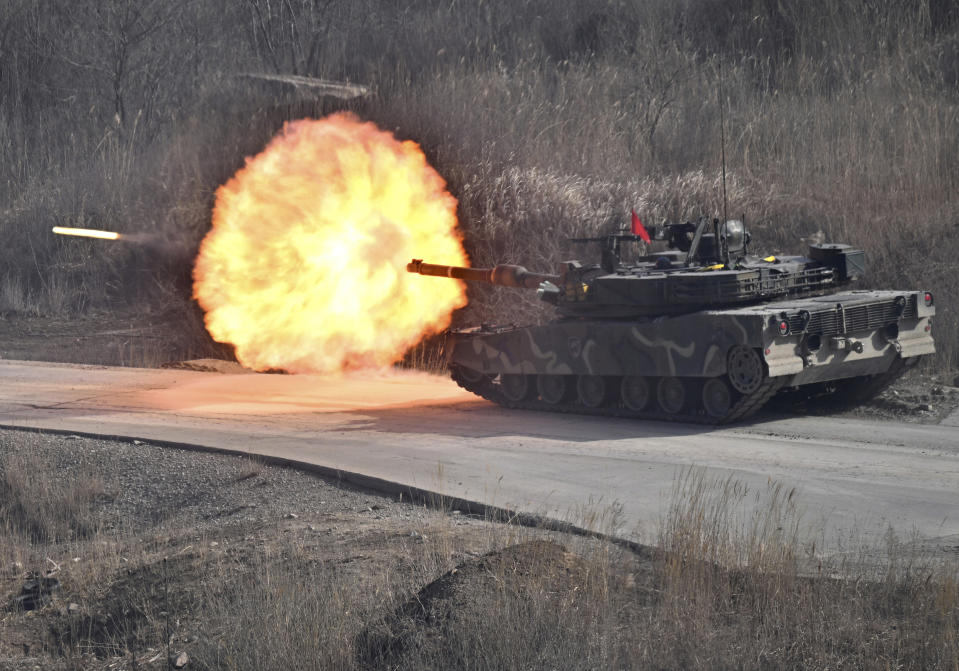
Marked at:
<point>781,357</point>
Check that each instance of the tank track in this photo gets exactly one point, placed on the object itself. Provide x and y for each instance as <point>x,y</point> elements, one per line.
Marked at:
<point>743,408</point>
<point>860,389</point>
<point>843,394</point>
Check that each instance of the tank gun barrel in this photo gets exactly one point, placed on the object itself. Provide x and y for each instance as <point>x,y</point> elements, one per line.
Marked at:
<point>502,275</point>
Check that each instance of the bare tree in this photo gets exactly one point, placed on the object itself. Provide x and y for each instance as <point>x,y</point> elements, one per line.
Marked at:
<point>289,34</point>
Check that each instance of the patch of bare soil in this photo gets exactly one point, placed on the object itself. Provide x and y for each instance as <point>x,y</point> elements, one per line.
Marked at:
<point>133,337</point>
<point>208,365</point>
<point>915,397</point>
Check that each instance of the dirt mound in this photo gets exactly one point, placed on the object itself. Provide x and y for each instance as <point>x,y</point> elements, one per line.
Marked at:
<point>131,611</point>
<point>208,366</point>
<point>540,576</point>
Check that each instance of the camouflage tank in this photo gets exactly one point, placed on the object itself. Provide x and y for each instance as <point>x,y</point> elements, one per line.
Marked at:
<point>699,331</point>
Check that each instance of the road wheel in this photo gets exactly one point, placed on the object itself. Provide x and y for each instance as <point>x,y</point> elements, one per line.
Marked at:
<point>634,391</point>
<point>470,374</point>
<point>554,389</point>
<point>593,390</point>
<point>671,394</point>
<point>745,369</point>
<point>717,398</point>
<point>515,387</point>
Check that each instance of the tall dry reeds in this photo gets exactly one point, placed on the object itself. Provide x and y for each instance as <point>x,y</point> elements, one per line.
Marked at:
<point>545,118</point>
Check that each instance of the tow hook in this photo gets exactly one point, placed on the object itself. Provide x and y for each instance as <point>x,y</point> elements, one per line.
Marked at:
<point>891,335</point>
<point>846,344</point>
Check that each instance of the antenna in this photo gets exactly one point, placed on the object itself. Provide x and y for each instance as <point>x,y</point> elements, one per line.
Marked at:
<point>724,250</point>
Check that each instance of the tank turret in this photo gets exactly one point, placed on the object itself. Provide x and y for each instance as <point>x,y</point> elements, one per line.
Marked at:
<point>704,265</point>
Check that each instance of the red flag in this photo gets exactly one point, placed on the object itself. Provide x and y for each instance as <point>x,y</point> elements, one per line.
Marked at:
<point>638,228</point>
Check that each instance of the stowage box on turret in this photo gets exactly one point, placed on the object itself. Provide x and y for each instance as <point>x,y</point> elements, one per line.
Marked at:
<point>700,331</point>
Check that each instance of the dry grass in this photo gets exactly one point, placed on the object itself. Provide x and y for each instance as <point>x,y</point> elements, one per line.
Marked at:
<point>303,616</point>
<point>753,582</point>
<point>546,118</point>
<point>38,507</point>
<point>733,582</point>
<point>724,590</point>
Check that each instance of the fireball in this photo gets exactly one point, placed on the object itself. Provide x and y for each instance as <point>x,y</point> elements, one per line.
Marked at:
<point>304,268</point>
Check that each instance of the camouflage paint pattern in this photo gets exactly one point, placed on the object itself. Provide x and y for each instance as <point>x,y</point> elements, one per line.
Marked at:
<point>696,344</point>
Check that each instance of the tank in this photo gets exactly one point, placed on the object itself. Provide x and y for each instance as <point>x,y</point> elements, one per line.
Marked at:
<point>699,331</point>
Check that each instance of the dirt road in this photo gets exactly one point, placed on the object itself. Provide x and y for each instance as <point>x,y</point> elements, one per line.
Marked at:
<point>853,476</point>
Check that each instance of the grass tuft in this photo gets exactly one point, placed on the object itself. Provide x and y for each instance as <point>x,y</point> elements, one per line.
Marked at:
<point>39,506</point>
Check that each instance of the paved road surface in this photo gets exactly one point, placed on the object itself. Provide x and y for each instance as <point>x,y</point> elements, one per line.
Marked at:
<point>852,475</point>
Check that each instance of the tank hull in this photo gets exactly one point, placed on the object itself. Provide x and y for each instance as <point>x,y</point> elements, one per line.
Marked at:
<point>700,366</point>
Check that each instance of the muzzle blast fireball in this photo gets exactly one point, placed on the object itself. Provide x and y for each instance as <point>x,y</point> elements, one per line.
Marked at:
<point>305,266</point>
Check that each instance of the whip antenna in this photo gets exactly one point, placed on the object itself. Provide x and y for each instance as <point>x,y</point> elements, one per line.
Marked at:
<point>722,138</point>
